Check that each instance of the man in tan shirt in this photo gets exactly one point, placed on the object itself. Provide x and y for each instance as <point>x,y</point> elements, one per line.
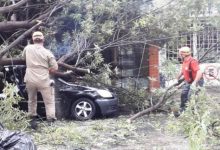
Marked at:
<point>40,63</point>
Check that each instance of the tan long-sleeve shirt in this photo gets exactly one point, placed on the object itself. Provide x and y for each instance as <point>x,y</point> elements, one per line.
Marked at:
<point>38,61</point>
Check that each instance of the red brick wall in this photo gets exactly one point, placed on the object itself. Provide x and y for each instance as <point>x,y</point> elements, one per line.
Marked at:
<point>153,67</point>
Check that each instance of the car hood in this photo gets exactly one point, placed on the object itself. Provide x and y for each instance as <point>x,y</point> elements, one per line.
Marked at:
<point>85,88</point>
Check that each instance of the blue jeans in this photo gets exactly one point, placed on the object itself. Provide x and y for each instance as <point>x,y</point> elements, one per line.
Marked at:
<point>185,95</point>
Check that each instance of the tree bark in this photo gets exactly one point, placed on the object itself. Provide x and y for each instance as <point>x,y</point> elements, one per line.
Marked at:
<point>21,37</point>
<point>12,7</point>
<point>75,69</point>
<point>67,57</point>
<point>19,61</point>
<point>13,25</point>
<point>156,106</point>
<point>12,61</point>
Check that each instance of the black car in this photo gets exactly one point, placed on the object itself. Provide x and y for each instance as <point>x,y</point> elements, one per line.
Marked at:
<point>72,100</point>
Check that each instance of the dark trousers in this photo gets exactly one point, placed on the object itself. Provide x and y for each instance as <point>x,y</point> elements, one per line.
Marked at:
<point>185,95</point>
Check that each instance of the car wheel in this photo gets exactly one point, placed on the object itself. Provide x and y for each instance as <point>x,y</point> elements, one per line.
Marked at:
<point>83,109</point>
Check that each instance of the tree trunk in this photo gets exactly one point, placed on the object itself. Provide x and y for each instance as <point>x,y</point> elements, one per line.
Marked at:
<point>21,37</point>
<point>75,69</point>
<point>19,61</point>
<point>162,101</point>
<point>12,61</point>
<point>12,7</point>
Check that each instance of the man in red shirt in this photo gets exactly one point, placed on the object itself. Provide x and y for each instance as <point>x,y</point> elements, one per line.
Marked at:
<point>191,73</point>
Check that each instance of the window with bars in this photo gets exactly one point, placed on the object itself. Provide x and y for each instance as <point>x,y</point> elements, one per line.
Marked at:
<point>208,40</point>
<point>200,42</point>
<point>130,61</point>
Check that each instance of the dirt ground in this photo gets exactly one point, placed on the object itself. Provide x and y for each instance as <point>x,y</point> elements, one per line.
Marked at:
<point>146,133</point>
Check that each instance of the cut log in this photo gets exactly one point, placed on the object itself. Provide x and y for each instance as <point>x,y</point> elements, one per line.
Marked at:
<point>11,61</point>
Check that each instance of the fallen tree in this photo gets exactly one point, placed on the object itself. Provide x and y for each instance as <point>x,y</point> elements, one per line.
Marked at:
<point>19,61</point>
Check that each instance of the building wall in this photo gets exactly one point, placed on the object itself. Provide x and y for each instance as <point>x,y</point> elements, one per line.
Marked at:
<point>138,66</point>
<point>132,63</point>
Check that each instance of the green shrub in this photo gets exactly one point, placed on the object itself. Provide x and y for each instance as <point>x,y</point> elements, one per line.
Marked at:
<point>196,121</point>
<point>10,115</point>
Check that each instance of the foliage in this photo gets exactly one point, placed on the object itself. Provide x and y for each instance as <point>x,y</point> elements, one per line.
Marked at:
<point>95,62</point>
<point>132,97</point>
<point>169,69</point>
<point>64,134</point>
<point>87,27</point>
<point>106,24</point>
<point>76,135</point>
<point>11,117</point>
<point>111,23</point>
<point>196,122</point>
<point>135,100</point>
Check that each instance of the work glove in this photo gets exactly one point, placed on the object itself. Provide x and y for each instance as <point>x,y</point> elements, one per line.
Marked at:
<point>179,81</point>
<point>69,72</point>
<point>52,83</point>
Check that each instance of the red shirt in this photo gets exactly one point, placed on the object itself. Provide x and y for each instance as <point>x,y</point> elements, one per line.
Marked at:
<point>190,63</point>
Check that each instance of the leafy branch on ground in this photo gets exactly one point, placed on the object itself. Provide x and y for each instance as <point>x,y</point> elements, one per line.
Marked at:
<point>76,135</point>
<point>10,115</point>
<point>197,121</point>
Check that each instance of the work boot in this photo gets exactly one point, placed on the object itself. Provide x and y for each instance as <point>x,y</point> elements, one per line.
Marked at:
<point>33,122</point>
<point>51,121</point>
<point>176,114</point>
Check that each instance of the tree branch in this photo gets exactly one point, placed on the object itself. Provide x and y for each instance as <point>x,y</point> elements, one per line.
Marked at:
<point>14,25</point>
<point>12,7</point>
<point>20,61</point>
<point>74,69</point>
<point>21,37</point>
<point>162,100</point>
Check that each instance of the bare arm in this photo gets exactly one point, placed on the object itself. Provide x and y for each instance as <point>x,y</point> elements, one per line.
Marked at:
<point>198,77</point>
<point>52,71</point>
<point>24,54</point>
<point>52,64</point>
